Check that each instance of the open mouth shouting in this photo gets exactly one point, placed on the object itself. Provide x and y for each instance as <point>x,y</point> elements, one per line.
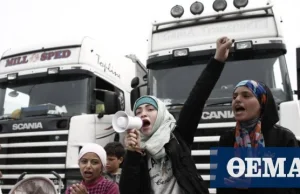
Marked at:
<point>88,174</point>
<point>146,125</point>
<point>239,110</point>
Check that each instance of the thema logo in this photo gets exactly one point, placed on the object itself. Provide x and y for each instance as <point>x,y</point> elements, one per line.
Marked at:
<point>251,167</point>
<point>256,168</point>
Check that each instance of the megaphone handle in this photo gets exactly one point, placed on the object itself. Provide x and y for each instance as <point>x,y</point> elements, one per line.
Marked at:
<point>139,150</point>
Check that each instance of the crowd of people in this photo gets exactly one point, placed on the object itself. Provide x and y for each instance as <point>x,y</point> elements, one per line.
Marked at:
<point>157,158</point>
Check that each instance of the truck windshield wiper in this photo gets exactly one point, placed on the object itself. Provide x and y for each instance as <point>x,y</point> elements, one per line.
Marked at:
<point>174,105</point>
<point>225,103</point>
<point>6,118</point>
<point>45,115</point>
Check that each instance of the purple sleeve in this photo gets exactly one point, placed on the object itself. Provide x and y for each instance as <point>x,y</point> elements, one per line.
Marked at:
<point>114,189</point>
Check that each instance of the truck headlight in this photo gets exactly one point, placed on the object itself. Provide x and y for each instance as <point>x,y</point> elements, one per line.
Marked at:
<point>240,3</point>
<point>197,8</point>
<point>53,70</point>
<point>177,11</point>
<point>12,76</point>
<point>246,45</point>
<point>219,5</point>
<point>181,53</point>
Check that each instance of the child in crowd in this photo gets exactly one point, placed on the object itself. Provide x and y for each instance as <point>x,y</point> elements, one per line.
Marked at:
<point>115,153</point>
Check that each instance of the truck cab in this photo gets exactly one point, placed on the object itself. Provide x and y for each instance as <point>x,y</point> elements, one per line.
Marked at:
<point>179,50</point>
<point>54,98</point>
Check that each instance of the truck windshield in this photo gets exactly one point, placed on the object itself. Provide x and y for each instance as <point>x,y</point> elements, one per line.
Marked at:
<point>173,84</point>
<point>70,91</point>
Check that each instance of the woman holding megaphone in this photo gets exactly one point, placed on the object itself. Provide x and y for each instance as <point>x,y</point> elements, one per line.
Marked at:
<point>158,158</point>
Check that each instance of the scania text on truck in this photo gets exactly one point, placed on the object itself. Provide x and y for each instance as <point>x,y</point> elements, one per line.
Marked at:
<point>54,98</point>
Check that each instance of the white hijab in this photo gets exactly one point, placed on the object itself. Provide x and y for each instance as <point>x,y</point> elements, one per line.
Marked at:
<point>161,131</point>
<point>94,148</point>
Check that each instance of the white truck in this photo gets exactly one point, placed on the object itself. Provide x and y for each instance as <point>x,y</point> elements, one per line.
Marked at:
<point>54,98</point>
<point>180,49</point>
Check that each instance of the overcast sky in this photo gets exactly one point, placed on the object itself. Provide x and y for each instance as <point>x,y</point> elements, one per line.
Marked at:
<point>122,25</point>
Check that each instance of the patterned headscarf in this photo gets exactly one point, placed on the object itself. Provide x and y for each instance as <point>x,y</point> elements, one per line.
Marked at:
<point>249,134</point>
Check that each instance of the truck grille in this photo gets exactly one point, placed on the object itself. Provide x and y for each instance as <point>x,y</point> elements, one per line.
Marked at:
<point>37,153</point>
<point>207,136</point>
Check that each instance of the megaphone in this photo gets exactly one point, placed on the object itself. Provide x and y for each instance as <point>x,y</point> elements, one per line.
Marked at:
<point>122,121</point>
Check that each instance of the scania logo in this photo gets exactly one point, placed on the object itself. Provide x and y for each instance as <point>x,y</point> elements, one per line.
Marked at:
<point>218,115</point>
<point>23,126</point>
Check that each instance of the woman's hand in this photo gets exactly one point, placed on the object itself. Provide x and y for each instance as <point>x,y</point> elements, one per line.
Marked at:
<point>133,140</point>
<point>223,46</point>
<point>78,189</point>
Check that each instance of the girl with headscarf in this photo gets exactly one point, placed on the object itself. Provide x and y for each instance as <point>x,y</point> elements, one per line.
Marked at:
<point>92,160</point>
<point>256,115</point>
<point>158,158</point>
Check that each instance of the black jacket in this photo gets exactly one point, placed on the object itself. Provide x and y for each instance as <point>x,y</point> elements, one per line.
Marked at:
<point>135,178</point>
<point>274,136</point>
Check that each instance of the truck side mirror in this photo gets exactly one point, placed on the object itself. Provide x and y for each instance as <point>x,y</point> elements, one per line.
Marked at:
<point>145,77</point>
<point>298,72</point>
<point>111,102</point>
<point>135,82</point>
<point>136,93</point>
